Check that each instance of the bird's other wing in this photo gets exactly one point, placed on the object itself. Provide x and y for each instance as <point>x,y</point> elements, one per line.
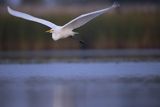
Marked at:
<point>31,18</point>
<point>83,19</point>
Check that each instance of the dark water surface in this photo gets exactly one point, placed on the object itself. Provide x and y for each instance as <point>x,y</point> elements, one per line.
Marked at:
<point>79,55</point>
<point>123,84</point>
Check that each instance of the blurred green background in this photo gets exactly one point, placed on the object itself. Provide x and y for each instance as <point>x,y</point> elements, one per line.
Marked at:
<point>134,25</point>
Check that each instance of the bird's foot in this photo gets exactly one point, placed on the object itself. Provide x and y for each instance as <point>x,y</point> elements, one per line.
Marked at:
<point>82,43</point>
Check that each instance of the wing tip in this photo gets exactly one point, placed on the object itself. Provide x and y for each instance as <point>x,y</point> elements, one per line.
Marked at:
<point>9,9</point>
<point>116,4</point>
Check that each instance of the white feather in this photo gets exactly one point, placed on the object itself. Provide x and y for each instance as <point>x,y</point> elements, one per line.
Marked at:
<point>59,32</point>
<point>31,18</point>
<point>83,19</point>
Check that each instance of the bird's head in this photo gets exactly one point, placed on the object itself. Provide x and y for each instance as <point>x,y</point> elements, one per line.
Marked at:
<point>50,31</point>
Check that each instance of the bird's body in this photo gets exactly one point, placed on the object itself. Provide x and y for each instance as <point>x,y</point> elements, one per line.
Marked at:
<point>59,32</point>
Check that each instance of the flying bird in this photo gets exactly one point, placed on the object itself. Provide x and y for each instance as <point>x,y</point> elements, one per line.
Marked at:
<point>59,32</point>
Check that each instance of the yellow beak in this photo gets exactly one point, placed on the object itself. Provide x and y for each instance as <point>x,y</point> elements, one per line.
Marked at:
<point>49,31</point>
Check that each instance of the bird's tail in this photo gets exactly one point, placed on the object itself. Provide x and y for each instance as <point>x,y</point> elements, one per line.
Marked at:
<point>75,33</point>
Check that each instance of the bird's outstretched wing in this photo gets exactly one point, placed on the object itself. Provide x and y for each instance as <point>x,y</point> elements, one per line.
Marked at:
<point>83,19</point>
<point>31,18</point>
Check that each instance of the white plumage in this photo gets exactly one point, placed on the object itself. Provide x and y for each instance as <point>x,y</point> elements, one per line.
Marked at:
<point>65,31</point>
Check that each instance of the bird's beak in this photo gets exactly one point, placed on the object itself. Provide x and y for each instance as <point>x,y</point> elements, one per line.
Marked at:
<point>50,31</point>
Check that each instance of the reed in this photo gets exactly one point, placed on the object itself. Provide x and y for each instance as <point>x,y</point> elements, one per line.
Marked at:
<point>132,29</point>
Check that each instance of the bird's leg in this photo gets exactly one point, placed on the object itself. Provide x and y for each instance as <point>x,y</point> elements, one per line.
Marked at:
<point>83,44</point>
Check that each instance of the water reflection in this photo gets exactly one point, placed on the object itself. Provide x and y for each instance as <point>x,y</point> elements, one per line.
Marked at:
<point>50,92</point>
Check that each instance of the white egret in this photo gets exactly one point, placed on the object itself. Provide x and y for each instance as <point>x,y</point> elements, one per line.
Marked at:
<point>65,31</point>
